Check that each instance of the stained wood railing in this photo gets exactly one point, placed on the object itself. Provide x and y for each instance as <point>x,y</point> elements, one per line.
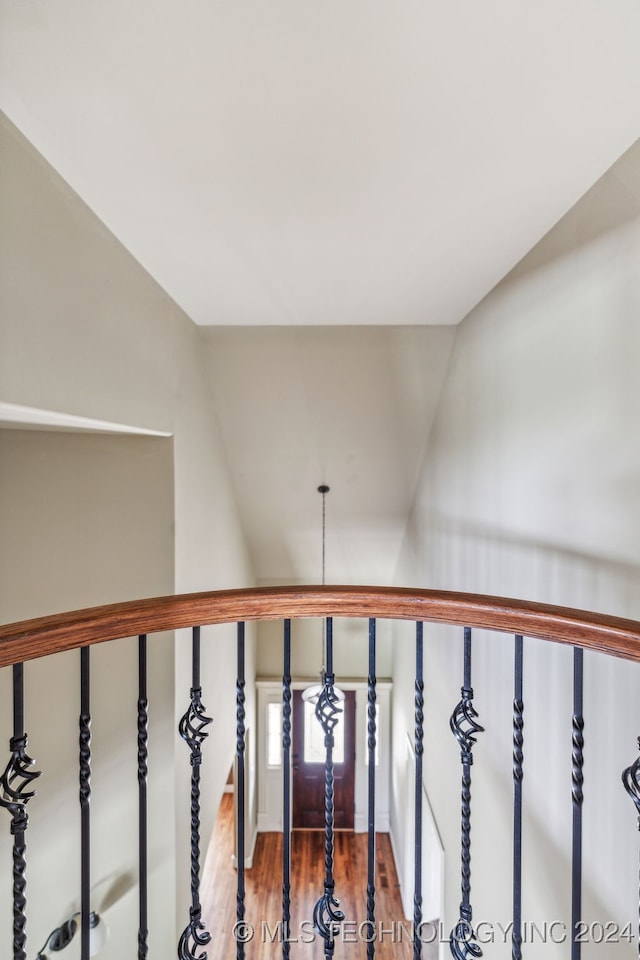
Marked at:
<point>67,631</point>
<point>80,629</point>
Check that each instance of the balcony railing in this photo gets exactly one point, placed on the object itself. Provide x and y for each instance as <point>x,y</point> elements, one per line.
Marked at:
<point>81,629</point>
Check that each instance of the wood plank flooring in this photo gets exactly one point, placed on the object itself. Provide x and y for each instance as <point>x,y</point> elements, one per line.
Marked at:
<point>264,894</point>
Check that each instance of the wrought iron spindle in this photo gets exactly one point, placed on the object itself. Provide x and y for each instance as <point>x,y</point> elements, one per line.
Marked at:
<point>518,759</point>
<point>14,797</point>
<point>143,728</point>
<point>631,781</point>
<point>577,779</point>
<point>240,790</point>
<point>286,791</point>
<point>463,940</point>
<point>371,793</point>
<point>85,800</point>
<point>192,730</point>
<point>326,914</point>
<point>418,750</point>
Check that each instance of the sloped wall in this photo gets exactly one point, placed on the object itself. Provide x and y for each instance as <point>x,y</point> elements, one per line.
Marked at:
<point>84,330</point>
<point>531,488</point>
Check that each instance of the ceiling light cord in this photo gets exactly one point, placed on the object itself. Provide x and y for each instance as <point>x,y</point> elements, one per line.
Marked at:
<point>324,490</point>
<point>313,693</point>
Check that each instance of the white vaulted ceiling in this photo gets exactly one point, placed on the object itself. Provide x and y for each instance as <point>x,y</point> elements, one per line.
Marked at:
<point>334,162</point>
<point>325,163</point>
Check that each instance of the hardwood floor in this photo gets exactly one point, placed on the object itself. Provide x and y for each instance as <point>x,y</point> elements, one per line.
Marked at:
<point>264,895</point>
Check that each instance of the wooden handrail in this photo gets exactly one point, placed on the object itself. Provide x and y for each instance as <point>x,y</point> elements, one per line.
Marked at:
<point>30,639</point>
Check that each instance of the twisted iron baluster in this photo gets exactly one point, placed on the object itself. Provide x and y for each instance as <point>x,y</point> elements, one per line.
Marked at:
<point>286,792</point>
<point>371,791</point>
<point>240,798</point>
<point>631,781</point>
<point>326,913</point>
<point>462,940</point>
<point>418,751</point>
<point>518,759</point>
<point>191,728</point>
<point>577,781</point>
<point>143,727</point>
<point>14,797</point>
<point>85,800</point>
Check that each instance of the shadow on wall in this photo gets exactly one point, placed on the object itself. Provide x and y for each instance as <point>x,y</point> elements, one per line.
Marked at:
<point>474,557</point>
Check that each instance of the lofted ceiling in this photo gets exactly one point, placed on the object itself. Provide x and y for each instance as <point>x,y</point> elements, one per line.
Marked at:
<point>334,162</point>
<point>353,164</point>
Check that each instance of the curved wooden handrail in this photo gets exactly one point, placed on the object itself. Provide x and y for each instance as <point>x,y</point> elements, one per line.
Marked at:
<point>30,639</point>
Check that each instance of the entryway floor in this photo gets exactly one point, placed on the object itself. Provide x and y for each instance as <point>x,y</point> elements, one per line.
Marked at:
<point>264,896</point>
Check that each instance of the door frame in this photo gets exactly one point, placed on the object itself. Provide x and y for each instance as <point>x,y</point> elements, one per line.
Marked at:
<point>269,689</point>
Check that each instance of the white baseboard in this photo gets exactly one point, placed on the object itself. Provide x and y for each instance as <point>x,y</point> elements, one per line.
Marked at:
<point>382,822</point>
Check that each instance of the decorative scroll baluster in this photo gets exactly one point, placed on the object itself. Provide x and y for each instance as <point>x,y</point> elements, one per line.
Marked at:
<point>326,914</point>
<point>14,797</point>
<point>371,794</point>
<point>463,940</point>
<point>418,750</point>
<point>143,727</point>
<point>85,801</point>
<point>577,779</point>
<point>192,730</point>
<point>518,758</point>
<point>240,798</point>
<point>631,781</point>
<point>286,792</point>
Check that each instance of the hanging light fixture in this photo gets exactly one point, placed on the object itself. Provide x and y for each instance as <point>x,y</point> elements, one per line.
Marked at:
<point>62,936</point>
<point>312,693</point>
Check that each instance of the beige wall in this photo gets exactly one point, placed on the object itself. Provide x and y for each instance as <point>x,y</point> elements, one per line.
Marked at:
<point>531,488</point>
<point>87,519</point>
<point>351,646</point>
<point>84,330</point>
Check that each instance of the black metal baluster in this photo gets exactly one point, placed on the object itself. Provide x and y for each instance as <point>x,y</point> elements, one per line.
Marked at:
<point>14,797</point>
<point>418,750</point>
<point>286,792</point>
<point>192,731</point>
<point>631,781</point>
<point>518,758</point>
<point>240,797</point>
<point>577,779</point>
<point>464,727</point>
<point>143,728</point>
<point>85,800</point>
<point>371,794</point>
<point>326,914</point>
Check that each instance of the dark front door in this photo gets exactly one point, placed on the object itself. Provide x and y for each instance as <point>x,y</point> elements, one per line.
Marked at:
<point>308,765</point>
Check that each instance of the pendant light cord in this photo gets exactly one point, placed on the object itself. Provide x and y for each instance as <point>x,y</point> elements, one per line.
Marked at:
<point>324,490</point>
<point>324,535</point>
